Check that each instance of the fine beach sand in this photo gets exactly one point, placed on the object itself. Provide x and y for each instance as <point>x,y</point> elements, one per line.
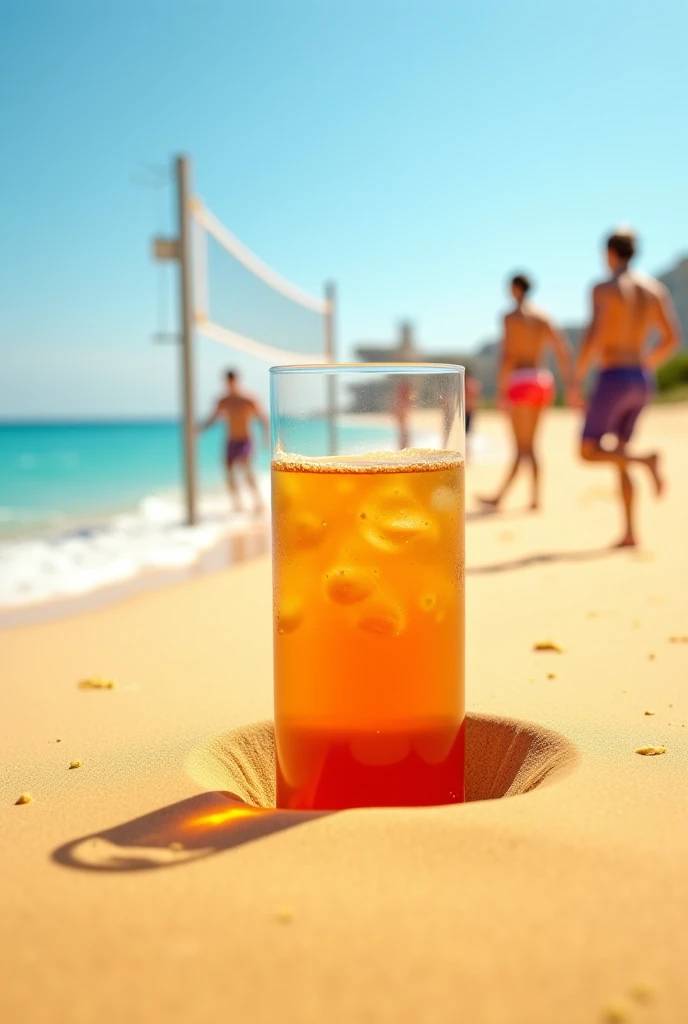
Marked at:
<point>132,890</point>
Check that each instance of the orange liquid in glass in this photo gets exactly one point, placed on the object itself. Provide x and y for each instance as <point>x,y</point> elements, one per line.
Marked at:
<point>369,630</point>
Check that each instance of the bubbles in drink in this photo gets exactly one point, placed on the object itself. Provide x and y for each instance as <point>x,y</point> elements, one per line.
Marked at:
<point>349,584</point>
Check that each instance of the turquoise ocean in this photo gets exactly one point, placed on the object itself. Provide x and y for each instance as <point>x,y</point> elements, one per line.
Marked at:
<point>58,474</point>
<point>85,505</point>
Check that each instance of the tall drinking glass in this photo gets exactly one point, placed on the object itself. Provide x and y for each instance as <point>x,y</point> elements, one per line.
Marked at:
<point>368,579</point>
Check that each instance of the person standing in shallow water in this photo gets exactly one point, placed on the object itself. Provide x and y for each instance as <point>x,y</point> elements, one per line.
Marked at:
<point>626,309</point>
<point>238,410</point>
<point>524,387</point>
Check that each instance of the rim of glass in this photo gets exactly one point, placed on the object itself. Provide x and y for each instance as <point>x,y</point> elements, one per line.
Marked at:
<point>429,368</point>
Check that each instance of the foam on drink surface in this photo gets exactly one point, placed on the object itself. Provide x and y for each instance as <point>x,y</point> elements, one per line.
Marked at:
<point>408,460</point>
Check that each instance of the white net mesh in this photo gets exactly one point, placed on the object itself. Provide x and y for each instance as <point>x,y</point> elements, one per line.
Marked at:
<point>243,303</point>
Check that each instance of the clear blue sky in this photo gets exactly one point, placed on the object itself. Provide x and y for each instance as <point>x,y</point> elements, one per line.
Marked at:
<point>414,150</point>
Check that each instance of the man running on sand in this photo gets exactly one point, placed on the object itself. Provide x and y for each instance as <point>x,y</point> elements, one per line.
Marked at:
<point>625,310</point>
<point>238,410</point>
<point>524,387</point>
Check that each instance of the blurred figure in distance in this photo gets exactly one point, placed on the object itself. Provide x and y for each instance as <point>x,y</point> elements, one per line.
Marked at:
<point>238,410</point>
<point>626,308</point>
<point>524,387</point>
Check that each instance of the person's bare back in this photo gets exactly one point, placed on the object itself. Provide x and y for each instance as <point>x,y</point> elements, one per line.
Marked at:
<point>527,333</point>
<point>237,411</point>
<point>626,309</point>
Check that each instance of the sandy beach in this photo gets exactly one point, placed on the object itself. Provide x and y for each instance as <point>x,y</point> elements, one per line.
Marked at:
<point>133,890</point>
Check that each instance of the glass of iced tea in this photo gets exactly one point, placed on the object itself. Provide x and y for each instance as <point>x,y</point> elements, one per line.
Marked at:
<point>368,578</point>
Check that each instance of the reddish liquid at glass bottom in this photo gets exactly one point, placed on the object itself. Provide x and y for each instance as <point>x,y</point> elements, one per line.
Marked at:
<point>328,769</point>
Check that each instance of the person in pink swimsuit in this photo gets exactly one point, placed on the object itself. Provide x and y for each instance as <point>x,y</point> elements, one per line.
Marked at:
<point>524,387</point>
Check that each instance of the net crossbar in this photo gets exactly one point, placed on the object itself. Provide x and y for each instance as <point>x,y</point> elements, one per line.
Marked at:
<point>241,302</point>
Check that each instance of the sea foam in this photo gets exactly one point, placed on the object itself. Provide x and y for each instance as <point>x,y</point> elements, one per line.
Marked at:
<point>77,561</point>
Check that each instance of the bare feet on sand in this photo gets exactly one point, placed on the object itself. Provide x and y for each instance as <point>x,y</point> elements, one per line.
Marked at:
<point>628,541</point>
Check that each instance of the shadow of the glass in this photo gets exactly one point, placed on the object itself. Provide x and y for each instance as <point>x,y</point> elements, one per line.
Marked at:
<point>504,757</point>
<point>187,831</point>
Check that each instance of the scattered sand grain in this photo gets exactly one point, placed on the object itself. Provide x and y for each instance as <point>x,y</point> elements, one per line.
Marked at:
<point>97,683</point>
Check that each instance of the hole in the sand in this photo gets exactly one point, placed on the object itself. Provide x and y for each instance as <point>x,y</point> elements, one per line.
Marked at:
<point>504,757</point>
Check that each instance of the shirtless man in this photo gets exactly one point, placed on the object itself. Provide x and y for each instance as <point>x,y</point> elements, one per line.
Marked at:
<point>625,310</point>
<point>524,387</point>
<point>238,410</point>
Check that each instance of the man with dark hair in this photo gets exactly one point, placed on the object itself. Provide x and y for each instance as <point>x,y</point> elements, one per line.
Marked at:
<point>522,282</point>
<point>622,242</point>
<point>626,309</point>
<point>524,387</point>
<point>238,410</point>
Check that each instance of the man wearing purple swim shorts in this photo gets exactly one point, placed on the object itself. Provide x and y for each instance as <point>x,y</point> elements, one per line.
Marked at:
<point>626,309</point>
<point>238,410</point>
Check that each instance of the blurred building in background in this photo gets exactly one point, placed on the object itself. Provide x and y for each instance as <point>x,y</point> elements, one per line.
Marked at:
<point>376,397</point>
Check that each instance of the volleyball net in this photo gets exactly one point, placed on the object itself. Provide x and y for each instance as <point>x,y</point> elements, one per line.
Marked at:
<point>241,302</point>
<point>228,295</point>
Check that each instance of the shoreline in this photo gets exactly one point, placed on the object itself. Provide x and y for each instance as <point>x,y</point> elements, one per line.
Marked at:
<point>54,557</point>
<point>94,560</point>
<point>235,548</point>
<point>236,542</point>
